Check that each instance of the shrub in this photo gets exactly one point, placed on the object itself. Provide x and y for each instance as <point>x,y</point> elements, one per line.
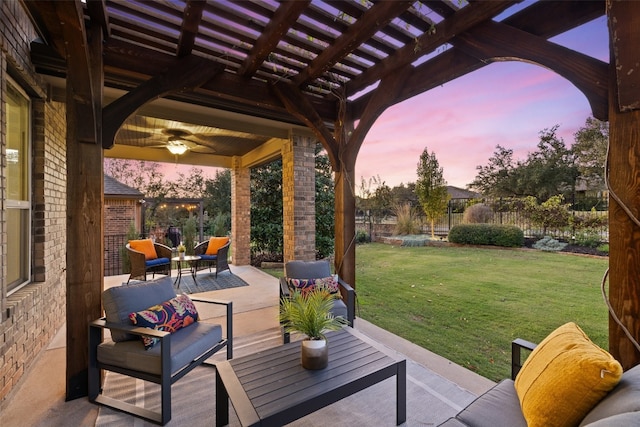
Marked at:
<point>589,238</point>
<point>549,244</point>
<point>487,234</point>
<point>362,237</point>
<point>407,221</point>
<point>477,214</point>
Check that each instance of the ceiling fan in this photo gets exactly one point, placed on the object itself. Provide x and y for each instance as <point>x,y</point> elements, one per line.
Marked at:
<point>174,136</point>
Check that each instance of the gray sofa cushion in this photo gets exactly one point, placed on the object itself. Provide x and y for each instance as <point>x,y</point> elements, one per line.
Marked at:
<point>186,345</point>
<point>119,301</point>
<point>625,397</point>
<point>627,419</point>
<point>307,269</point>
<point>452,422</point>
<point>498,407</point>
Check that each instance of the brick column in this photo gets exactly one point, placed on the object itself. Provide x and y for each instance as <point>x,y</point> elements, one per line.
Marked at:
<point>298,196</point>
<point>240,215</point>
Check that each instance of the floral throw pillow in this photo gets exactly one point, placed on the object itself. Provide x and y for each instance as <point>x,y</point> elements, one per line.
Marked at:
<point>169,316</point>
<point>307,285</point>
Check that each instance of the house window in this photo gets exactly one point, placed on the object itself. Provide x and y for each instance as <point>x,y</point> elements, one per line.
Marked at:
<point>18,202</point>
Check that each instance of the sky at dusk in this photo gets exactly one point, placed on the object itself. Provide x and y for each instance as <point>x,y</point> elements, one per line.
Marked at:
<point>462,122</point>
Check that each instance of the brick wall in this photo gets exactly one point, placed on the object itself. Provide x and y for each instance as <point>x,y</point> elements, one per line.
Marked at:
<point>32,315</point>
<point>118,215</point>
<point>240,215</point>
<point>298,198</point>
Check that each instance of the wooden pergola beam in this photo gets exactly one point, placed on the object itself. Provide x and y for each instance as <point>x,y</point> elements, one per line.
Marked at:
<point>186,74</point>
<point>189,29</point>
<point>298,105</point>
<point>493,41</point>
<point>283,18</point>
<point>442,33</point>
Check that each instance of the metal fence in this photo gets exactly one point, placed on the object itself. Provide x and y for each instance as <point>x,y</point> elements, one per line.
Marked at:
<point>113,254</point>
<point>504,212</point>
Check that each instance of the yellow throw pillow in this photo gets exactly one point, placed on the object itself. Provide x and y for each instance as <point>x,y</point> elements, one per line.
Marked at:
<point>145,246</point>
<point>564,378</point>
<point>216,243</point>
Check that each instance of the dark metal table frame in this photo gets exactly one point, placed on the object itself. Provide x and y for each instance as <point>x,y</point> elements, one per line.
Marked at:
<point>190,261</point>
<point>271,388</point>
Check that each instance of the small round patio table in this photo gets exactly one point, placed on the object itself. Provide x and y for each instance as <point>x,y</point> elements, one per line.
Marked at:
<point>186,263</point>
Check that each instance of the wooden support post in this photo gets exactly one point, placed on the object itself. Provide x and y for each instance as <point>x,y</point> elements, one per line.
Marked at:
<point>85,228</point>
<point>624,169</point>
<point>85,251</point>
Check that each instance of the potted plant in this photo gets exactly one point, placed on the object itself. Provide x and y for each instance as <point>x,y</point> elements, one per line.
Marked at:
<point>181,250</point>
<point>309,313</point>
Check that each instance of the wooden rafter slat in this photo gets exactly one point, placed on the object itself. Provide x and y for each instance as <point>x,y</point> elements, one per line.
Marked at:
<point>357,10</point>
<point>339,26</point>
<point>278,25</point>
<point>192,17</point>
<point>375,18</point>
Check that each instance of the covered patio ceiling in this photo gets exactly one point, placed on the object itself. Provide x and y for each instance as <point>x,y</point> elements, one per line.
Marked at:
<point>269,66</point>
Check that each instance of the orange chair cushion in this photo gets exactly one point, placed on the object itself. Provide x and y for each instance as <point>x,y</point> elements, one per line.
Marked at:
<point>216,243</point>
<point>145,246</point>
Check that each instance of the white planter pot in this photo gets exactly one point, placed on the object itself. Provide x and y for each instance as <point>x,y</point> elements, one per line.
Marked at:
<point>314,354</point>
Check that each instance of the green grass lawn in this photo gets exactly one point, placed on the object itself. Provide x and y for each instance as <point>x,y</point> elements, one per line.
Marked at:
<point>468,304</point>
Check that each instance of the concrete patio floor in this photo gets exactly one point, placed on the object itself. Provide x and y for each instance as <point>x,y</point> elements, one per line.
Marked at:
<point>39,398</point>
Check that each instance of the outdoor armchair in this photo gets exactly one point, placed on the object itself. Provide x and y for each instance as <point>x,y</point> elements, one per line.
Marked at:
<point>312,270</point>
<point>146,256</point>
<point>174,346</point>
<point>213,253</point>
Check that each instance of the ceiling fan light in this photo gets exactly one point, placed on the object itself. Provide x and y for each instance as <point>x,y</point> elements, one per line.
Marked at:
<point>177,148</point>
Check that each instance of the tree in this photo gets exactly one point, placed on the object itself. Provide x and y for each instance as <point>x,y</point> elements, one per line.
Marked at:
<point>496,178</point>
<point>404,194</point>
<point>217,203</point>
<point>590,149</point>
<point>267,234</point>
<point>548,171</point>
<point>374,201</point>
<point>431,188</point>
<point>266,209</point>
<point>143,176</point>
<point>325,202</point>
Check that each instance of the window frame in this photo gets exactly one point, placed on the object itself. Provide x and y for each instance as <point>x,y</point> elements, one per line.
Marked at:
<point>22,206</point>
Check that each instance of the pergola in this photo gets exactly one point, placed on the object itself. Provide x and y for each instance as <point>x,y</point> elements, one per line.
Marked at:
<point>251,72</point>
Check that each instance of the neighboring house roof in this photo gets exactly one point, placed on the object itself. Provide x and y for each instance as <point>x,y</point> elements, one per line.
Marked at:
<point>460,193</point>
<point>112,188</point>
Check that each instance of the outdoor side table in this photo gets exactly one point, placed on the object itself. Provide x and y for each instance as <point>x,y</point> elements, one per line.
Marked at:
<point>186,264</point>
<point>271,388</point>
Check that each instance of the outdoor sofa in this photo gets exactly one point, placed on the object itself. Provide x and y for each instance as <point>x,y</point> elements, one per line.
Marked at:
<point>577,392</point>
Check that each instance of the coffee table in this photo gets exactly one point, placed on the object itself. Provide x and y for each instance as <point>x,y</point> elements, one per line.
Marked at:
<point>186,263</point>
<point>271,388</point>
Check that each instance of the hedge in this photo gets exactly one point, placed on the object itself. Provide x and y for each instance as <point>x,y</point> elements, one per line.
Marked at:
<point>487,234</point>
